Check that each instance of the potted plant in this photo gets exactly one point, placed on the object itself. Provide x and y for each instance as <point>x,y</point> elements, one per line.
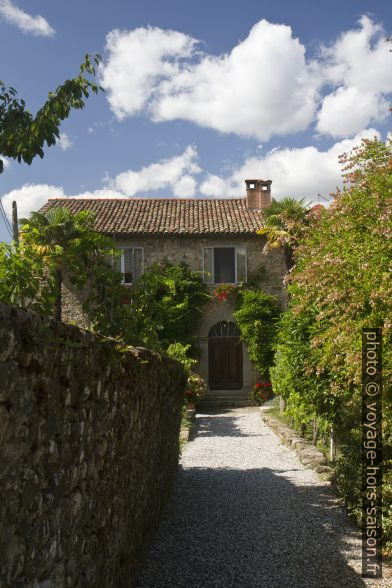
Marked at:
<point>195,390</point>
<point>261,392</point>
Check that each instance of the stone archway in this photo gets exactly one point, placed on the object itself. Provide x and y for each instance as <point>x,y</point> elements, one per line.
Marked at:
<point>225,371</point>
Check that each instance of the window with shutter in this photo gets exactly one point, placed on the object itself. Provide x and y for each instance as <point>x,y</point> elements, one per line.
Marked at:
<point>130,264</point>
<point>224,265</point>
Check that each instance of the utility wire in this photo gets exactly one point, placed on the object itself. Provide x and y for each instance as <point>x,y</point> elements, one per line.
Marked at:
<point>5,216</point>
<point>5,219</point>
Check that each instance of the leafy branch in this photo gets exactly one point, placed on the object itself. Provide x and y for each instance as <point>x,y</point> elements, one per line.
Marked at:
<point>22,135</point>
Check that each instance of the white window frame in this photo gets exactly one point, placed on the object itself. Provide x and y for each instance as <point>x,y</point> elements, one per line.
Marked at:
<point>122,262</point>
<point>235,247</point>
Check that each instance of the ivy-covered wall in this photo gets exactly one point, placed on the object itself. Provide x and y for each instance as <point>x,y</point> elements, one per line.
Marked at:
<point>88,452</point>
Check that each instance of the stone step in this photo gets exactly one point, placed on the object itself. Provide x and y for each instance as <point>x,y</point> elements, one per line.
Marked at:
<point>227,393</point>
<point>224,401</point>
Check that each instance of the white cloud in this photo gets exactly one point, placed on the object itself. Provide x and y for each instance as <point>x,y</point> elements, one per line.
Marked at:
<point>31,197</point>
<point>174,173</point>
<point>65,142</point>
<point>185,187</point>
<point>299,173</point>
<point>215,186</point>
<point>263,87</point>
<point>36,25</point>
<point>138,59</point>
<point>359,64</point>
<point>242,92</point>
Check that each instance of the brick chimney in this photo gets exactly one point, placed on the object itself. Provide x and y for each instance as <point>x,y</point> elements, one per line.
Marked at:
<point>258,194</point>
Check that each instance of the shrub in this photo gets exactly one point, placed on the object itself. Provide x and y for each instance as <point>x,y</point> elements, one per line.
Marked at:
<point>167,302</point>
<point>257,314</point>
<point>340,285</point>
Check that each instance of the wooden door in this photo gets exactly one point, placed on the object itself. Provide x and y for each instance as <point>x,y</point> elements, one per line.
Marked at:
<point>225,363</point>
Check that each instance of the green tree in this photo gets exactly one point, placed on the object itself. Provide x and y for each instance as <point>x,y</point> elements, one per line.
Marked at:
<point>23,278</point>
<point>22,135</point>
<point>68,246</point>
<point>283,222</point>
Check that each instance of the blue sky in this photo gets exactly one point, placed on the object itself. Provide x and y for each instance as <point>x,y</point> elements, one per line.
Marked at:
<point>198,96</point>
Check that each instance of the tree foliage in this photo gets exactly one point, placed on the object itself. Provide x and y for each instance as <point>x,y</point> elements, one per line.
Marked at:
<point>284,221</point>
<point>67,246</point>
<point>59,246</point>
<point>23,278</point>
<point>22,135</point>
<point>167,303</point>
<point>341,283</point>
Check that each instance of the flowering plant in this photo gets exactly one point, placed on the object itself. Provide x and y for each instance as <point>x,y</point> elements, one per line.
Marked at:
<point>195,388</point>
<point>224,291</point>
<point>261,392</point>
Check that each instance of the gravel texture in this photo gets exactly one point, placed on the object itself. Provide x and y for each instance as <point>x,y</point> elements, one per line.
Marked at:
<point>245,512</point>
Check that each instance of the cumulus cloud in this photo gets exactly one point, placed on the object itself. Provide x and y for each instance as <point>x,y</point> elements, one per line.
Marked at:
<point>36,25</point>
<point>65,142</point>
<point>175,174</point>
<point>265,86</point>
<point>359,65</point>
<point>216,186</point>
<point>138,59</point>
<point>299,173</point>
<point>31,197</point>
<point>242,92</point>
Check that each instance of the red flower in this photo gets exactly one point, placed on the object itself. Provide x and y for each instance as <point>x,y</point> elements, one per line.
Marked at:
<point>258,385</point>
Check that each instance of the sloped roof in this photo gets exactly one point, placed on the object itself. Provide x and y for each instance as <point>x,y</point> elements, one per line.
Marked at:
<point>162,216</point>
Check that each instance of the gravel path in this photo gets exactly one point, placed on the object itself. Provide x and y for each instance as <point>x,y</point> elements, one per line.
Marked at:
<point>246,513</point>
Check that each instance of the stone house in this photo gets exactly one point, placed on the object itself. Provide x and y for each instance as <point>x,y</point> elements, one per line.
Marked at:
<point>215,236</point>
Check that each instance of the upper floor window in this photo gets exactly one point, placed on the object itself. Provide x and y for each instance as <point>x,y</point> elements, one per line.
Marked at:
<point>130,264</point>
<point>224,265</point>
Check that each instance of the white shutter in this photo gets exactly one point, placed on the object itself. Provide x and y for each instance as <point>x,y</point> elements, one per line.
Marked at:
<point>241,264</point>
<point>208,269</point>
<point>137,262</point>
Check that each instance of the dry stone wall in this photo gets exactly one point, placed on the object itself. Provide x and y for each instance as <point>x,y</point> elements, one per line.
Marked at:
<point>88,452</point>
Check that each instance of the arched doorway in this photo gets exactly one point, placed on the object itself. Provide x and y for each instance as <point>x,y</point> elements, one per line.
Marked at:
<point>224,357</point>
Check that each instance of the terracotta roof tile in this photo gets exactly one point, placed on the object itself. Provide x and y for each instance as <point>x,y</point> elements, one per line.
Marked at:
<point>174,216</point>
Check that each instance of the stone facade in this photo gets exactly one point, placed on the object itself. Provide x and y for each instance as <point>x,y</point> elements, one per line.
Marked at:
<point>88,452</point>
<point>265,266</point>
